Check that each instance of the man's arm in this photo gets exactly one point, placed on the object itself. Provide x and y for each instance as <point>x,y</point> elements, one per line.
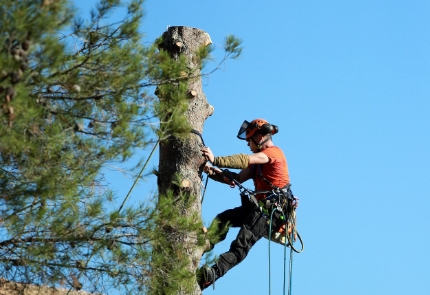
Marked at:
<point>258,158</point>
<point>245,174</point>
<point>239,161</point>
<point>216,174</point>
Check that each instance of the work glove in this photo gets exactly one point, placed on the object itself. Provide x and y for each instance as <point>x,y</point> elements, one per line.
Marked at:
<point>228,174</point>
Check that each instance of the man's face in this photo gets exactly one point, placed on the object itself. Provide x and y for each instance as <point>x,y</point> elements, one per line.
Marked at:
<point>252,143</point>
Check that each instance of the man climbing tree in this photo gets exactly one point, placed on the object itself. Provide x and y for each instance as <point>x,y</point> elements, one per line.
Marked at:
<point>267,166</point>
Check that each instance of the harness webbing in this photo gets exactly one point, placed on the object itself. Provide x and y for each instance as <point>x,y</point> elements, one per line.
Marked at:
<point>260,174</point>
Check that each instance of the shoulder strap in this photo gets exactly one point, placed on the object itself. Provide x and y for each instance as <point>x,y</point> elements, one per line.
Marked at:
<point>259,174</point>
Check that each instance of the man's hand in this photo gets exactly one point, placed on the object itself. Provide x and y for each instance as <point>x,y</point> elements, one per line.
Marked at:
<point>208,154</point>
<point>227,174</point>
<point>229,177</point>
<point>219,174</point>
<point>210,170</point>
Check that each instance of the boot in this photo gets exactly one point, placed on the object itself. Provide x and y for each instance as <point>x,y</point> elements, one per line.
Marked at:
<point>208,276</point>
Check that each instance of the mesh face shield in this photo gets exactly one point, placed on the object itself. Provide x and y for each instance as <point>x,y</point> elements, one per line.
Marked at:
<point>246,126</point>
<point>248,129</point>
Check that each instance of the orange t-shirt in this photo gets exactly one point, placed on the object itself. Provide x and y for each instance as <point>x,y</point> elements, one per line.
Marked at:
<point>276,171</point>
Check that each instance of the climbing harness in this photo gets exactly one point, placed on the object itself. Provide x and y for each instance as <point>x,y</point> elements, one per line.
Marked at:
<point>285,201</point>
<point>281,204</point>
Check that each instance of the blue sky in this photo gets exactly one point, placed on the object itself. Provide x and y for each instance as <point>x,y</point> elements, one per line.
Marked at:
<point>348,84</point>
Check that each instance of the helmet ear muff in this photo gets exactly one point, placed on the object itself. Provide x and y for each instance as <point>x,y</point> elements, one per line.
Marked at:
<point>266,129</point>
<point>269,129</point>
<point>275,129</point>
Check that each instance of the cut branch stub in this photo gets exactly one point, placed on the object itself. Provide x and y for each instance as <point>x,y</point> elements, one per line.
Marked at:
<point>185,183</point>
<point>192,93</point>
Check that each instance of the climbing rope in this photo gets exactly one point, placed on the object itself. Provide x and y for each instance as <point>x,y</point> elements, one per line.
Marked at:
<point>140,173</point>
<point>194,131</point>
<point>288,241</point>
<point>285,255</point>
<point>270,235</point>
<point>204,188</point>
<point>290,270</point>
<point>285,262</point>
<point>146,164</point>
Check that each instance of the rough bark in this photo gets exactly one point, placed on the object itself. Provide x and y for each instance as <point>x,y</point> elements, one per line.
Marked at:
<point>182,157</point>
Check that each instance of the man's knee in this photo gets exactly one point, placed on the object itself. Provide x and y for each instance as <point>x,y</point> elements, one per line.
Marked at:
<point>244,240</point>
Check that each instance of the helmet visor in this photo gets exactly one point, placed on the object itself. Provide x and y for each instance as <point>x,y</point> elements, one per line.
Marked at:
<point>242,131</point>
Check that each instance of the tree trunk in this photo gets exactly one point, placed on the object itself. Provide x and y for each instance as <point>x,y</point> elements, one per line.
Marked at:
<point>181,161</point>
